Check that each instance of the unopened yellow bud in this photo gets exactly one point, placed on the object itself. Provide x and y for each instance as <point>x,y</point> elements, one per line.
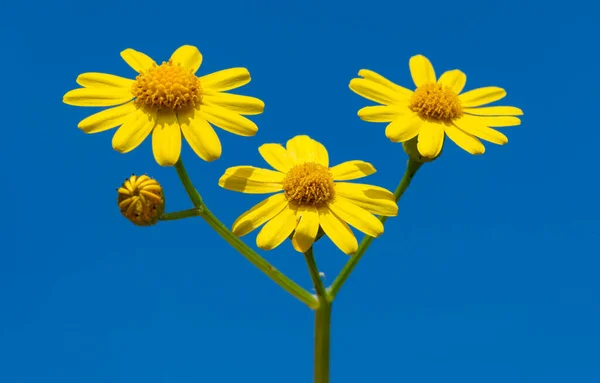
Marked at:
<point>410,148</point>
<point>141,200</point>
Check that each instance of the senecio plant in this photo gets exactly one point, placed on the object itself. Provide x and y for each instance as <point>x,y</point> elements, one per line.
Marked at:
<point>310,198</point>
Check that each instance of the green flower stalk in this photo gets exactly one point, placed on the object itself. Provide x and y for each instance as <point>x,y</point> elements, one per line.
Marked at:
<point>322,301</point>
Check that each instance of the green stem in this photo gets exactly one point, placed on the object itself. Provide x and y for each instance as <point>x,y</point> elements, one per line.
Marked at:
<point>195,212</point>
<point>286,283</point>
<point>322,322</point>
<point>322,337</point>
<point>314,274</point>
<point>188,185</point>
<point>411,169</point>
<point>258,261</point>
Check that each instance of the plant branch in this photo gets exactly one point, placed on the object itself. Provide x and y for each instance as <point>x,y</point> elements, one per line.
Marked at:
<point>278,277</point>
<point>411,169</point>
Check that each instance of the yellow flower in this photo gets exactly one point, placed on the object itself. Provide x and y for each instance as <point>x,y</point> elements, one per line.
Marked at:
<point>141,200</point>
<point>167,100</point>
<point>435,108</point>
<point>311,197</point>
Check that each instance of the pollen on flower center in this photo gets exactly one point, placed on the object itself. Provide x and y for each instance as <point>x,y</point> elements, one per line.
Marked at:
<point>167,86</point>
<point>437,102</point>
<point>309,184</point>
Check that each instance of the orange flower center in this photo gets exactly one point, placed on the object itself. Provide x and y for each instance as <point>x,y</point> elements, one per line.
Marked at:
<point>167,86</point>
<point>309,184</point>
<point>437,102</point>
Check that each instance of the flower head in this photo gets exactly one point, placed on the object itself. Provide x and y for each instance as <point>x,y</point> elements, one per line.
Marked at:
<point>167,100</point>
<point>436,108</point>
<point>141,200</point>
<point>310,196</point>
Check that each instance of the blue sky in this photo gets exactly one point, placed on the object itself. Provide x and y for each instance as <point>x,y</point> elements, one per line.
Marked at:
<point>488,274</point>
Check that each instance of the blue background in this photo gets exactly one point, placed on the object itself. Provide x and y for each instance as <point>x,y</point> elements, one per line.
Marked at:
<point>489,274</point>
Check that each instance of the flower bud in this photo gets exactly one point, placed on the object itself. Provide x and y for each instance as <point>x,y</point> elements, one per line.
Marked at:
<point>410,148</point>
<point>141,200</point>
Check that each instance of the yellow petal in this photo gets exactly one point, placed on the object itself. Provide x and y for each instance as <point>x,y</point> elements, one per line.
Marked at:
<point>229,121</point>
<point>97,96</point>
<point>495,111</point>
<point>337,230</point>
<point>134,130</point>
<point>107,119</point>
<point>225,79</point>
<point>375,92</point>
<point>187,56</point>
<point>166,138</point>
<point>277,229</point>
<point>381,113</point>
<point>374,199</point>
<point>321,156</point>
<point>471,125</point>
<point>200,135</point>
<point>259,214</point>
<point>304,149</point>
<point>357,217</point>
<point>404,128</point>
<point>351,170</point>
<point>299,148</point>
<point>481,96</point>
<point>379,79</point>
<point>234,102</point>
<point>256,174</point>
<point>137,60</point>
<point>307,228</point>
<point>453,79</point>
<point>431,139</point>
<point>421,70</point>
<point>498,121</point>
<point>103,80</point>
<point>276,156</point>
<point>251,180</point>
<point>466,141</point>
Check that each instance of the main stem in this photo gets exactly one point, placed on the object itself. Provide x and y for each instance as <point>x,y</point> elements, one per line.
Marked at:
<point>322,339</point>
<point>322,322</point>
<point>324,297</point>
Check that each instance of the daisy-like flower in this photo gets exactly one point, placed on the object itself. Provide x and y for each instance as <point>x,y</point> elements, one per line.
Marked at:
<point>436,108</point>
<point>167,100</point>
<point>311,197</point>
